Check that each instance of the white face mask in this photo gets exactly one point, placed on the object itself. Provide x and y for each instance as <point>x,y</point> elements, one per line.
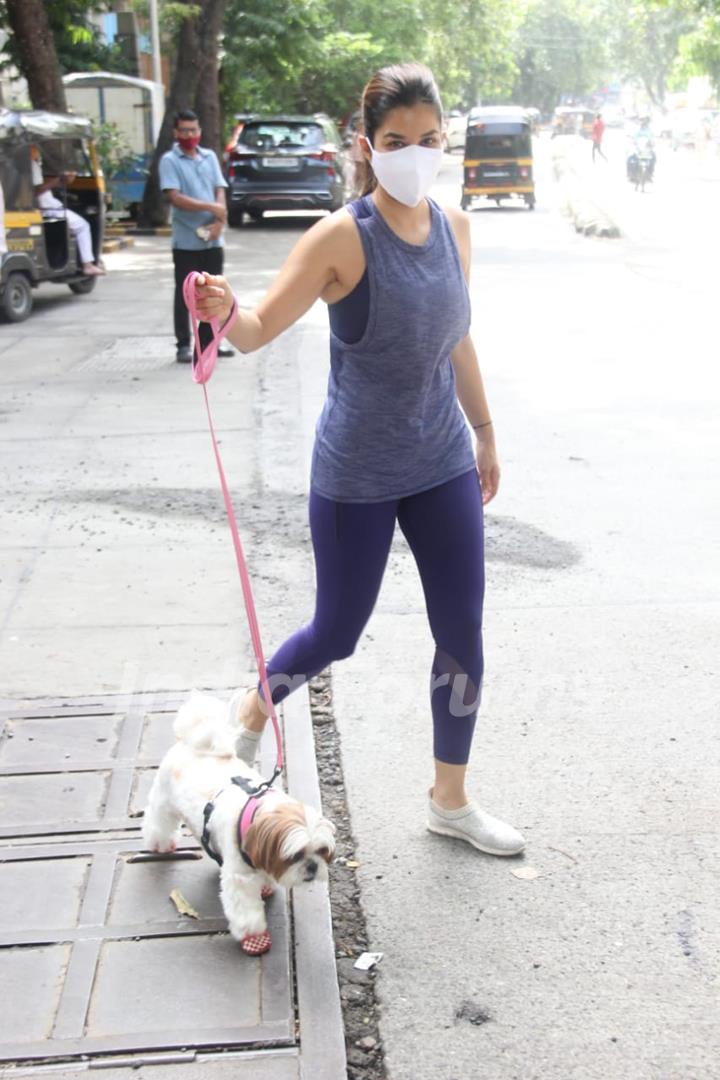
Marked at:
<point>407,174</point>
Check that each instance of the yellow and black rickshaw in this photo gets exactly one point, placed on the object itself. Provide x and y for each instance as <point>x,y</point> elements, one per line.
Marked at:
<point>40,244</point>
<point>572,120</point>
<point>498,156</point>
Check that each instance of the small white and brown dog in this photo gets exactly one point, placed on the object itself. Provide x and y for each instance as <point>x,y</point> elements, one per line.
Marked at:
<point>258,841</point>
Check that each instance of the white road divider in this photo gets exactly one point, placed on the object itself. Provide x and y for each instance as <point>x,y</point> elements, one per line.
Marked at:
<point>577,200</point>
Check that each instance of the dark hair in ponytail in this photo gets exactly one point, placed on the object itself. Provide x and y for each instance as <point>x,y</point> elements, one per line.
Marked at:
<point>397,86</point>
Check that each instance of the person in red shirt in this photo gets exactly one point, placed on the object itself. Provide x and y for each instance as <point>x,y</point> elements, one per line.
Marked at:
<point>598,130</point>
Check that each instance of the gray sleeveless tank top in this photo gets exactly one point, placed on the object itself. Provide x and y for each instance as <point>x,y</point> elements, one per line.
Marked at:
<point>392,425</point>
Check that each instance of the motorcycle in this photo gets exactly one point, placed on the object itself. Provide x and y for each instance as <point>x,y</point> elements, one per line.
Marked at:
<point>641,165</point>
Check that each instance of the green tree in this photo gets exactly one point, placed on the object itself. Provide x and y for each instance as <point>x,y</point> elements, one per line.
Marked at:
<point>113,149</point>
<point>646,41</point>
<point>469,47</point>
<point>31,48</point>
<point>700,49</point>
<point>561,52</point>
<point>301,55</point>
<point>78,41</point>
<point>194,84</point>
<point>55,36</point>
<point>298,56</point>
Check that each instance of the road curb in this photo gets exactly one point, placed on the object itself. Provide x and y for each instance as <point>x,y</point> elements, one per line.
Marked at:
<point>150,230</point>
<point>117,243</point>
<point>318,993</point>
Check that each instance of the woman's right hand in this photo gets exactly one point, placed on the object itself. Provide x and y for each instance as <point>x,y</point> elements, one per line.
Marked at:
<point>213,297</point>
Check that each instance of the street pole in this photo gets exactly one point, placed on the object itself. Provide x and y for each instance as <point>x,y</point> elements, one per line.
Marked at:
<point>155,36</point>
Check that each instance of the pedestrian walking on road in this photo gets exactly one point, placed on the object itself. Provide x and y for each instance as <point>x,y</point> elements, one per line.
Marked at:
<point>598,130</point>
<point>392,443</point>
<point>191,177</point>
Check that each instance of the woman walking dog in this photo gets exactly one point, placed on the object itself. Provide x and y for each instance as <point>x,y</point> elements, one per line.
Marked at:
<point>392,443</point>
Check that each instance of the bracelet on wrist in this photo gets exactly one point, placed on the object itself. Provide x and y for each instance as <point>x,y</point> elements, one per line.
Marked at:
<point>485,423</point>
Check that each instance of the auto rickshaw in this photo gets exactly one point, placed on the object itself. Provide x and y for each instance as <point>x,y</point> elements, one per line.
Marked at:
<point>40,245</point>
<point>572,120</point>
<point>498,156</point>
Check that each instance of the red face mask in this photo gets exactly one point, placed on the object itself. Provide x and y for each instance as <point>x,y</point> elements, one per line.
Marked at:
<point>189,143</point>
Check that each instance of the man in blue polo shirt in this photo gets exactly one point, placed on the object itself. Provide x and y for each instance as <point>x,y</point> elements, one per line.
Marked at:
<point>191,178</point>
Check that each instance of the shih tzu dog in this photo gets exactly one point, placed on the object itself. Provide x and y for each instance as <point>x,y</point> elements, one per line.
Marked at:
<point>258,839</point>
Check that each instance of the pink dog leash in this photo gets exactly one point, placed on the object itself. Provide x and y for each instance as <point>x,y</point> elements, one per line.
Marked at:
<point>202,369</point>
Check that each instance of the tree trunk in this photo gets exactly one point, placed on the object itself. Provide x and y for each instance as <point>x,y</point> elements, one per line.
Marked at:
<point>182,92</point>
<point>207,97</point>
<point>195,64</point>
<point>39,65</point>
<point>650,90</point>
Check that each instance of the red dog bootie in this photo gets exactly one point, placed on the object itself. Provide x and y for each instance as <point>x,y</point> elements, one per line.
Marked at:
<point>256,944</point>
<point>266,892</point>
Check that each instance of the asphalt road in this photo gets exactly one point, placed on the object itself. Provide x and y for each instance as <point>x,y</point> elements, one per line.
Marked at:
<point>599,727</point>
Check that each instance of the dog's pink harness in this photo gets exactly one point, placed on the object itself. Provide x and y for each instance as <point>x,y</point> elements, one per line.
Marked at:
<point>202,368</point>
<point>245,820</point>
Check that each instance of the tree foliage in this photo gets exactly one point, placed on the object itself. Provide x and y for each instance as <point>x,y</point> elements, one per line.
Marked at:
<point>647,42</point>
<point>562,52</point>
<point>469,48</point>
<point>194,83</point>
<point>308,55</point>
<point>700,48</point>
<point>301,55</point>
<point>31,47</point>
<point>77,41</point>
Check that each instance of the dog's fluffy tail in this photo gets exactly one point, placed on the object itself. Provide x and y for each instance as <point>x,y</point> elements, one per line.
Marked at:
<point>203,724</point>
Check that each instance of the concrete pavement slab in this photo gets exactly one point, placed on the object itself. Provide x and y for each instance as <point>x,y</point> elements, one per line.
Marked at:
<point>262,1065</point>
<point>98,960</point>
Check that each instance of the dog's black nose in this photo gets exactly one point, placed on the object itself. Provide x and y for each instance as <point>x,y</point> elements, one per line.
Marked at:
<point>311,869</point>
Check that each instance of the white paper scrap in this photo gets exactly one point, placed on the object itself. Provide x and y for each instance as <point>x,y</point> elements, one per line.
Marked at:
<point>368,960</point>
<point>526,873</point>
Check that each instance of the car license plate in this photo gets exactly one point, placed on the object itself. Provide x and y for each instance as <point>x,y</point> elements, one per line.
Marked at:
<point>495,175</point>
<point>279,163</point>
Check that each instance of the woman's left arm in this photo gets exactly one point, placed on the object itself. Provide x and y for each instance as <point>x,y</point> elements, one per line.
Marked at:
<point>468,380</point>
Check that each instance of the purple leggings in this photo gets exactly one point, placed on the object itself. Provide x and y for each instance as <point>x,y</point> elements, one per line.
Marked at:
<point>444,529</point>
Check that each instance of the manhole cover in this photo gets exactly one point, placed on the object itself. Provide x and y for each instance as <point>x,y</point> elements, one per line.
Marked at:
<point>132,354</point>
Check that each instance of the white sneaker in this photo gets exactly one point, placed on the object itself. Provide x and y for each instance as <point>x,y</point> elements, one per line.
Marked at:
<point>472,824</point>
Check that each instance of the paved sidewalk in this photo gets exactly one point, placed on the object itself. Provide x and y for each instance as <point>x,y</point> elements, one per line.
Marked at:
<point>119,593</point>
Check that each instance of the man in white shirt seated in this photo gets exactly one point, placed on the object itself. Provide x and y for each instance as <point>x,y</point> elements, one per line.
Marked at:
<point>52,208</point>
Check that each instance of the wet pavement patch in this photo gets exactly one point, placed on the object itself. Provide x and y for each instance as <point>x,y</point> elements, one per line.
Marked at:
<point>472,1014</point>
<point>287,514</point>
<point>687,935</point>
<point>511,541</point>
